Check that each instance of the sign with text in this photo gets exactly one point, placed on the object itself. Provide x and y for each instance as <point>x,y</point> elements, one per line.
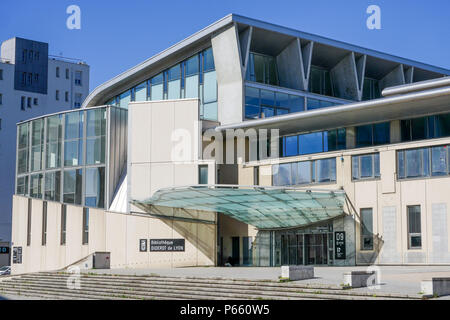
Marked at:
<point>143,245</point>
<point>4,250</point>
<point>166,245</point>
<point>339,245</point>
<point>17,255</point>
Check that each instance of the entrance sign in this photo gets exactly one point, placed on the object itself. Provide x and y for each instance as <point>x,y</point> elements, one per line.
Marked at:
<point>166,245</point>
<point>339,245</point>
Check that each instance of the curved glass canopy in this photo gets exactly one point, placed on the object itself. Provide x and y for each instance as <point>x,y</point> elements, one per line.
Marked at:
<point>262,207</point>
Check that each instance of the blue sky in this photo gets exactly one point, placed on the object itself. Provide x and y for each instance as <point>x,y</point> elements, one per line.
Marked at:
<point>116,35</point>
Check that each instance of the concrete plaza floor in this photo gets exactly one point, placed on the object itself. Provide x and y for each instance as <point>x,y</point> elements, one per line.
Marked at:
<point>393,279</point>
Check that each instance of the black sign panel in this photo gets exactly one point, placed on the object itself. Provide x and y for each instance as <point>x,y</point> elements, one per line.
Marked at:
<point>339,245</point>
<point>4,250</point>
<point>143,245</point>
<point>17,255</point>
<point>166,245</point>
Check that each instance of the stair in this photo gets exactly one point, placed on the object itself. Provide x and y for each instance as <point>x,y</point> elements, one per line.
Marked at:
<point>49,285</point>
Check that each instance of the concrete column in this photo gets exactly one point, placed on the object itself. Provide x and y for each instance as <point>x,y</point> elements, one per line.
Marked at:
<point>348,77</point>
<point>245,38</point>
<point>227,60</point>
<point>409,74</point>
<point>394,78</point>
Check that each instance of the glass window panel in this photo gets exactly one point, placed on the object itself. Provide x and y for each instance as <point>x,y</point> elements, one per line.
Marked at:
<point>311,143</point>
<point>366,166</point>
<point>405,128</point>
<point>124,99</point>
<point>191,87</point>
<point>439,161</point>
<point>330,140</point>
<point>267,112</point>
<point>326,170</point>
<point>95,187</point>
<point>367,229</point>
<point>376,164</point>
<point>381,133</point>
<point>174,73</point>
<point>364,136</point>
<point>23,136</point>
<point>36,185</point>
<point>158,79</point>
<point>355,167</point>
<point>203,174</point>
<point>210,111</point>
<point>297,103</point>
<point>431,133</point>
<point>174,89</point>
<point>157,92</point>
<point>72,186</point>
<point>140,92</point>
<point>73,151</point>
<point>210,87</point>
<point>414,224</point>
<point>53,155</point>
<point>341,139</point>
<point>426,162</point>
<point>304,172</point>
<point>36,157</point>
<point>252,96</point>
<point>267,98</point>
<point>52,185</point>
<point>443,125</point>
<point>96,122</point>
<point>22,161</point>
<point>258,62</point>
<point>313,104</point>
<point>54,136</point>
<point>401,164</point>
<point>284,174</point>
<point>282,100</point>
<point>290,146</point>
<point>95,150</point>
<point>413,163</point>
<point>251,112</point>
<point>22,185</point>
<point>418,129</point>
<point>192,65</point>
<point>73,125</point>
<point>208,60</point>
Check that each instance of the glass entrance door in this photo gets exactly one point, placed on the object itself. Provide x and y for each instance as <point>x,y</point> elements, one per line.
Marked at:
<point>316,248</point>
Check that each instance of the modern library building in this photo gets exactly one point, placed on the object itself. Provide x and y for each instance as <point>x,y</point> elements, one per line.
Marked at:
<point>246,143</point>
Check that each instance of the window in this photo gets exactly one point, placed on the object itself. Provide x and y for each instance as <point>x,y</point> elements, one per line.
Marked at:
<point>22,149</point>
<point>413,163</point>
<point>36,55</point>
<point>31,55</point>
<point>320,81</point>
<point>174,82</point>
<point>85,226</point>
<point>53,140</point>
<point>57,95</point>
<point>140,92</point>
<point>22,103</point>
<point>22,186</point>
<point>30,79</point>
<point>304,172</point>
<point>262,68</point>
<point>1,98</point>
<point>72,186</point>
<point>256,176</point>
<point>29,102</point>
<point>77,102</point>
<point>24,55</point>
<point>1,74</point>
<point>203,174</point>
<point>57,72</point>
<point>52,185</point>
<point>73,139</point>
<point>78,76</point>
<point>372,134</point>
<point>366,166</point>
<point>316,142</point>
<point>414,227</point>
<point>36,78</point>
<point>66,96</point>
<point>44,223</point>
<point>63,224</point>
<point>35,101</point>
<point>371,89</point>
<point>36,185</point>
<point>37,144</point>
<point>366,229</point>
<point>30,203</point>
<point>95,187</point>
<point>439,161</point>
<point>95,136</point>
<point>67,73</point>
<point>318,104</point>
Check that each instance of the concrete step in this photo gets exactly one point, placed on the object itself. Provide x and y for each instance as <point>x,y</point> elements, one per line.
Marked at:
<point>226,285</point>
<point>161,291</point>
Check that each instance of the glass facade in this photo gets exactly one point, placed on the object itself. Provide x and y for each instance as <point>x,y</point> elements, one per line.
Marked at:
<point>194,77</point>
<point>371,89</point>
<point>262,68</point>
<point>423,162</point>
<point>373,134</point>
<point>315,142</point>
<point>430,127</point>
<point>68,157</point>
<point>320,81</point>
<point>304,172</point>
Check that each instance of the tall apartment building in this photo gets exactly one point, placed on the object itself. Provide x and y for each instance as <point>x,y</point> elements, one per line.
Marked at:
<point>247,142</point>
<point>32,84</point>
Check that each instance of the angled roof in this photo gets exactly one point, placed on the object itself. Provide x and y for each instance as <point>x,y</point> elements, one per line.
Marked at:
<point>109,88</point>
